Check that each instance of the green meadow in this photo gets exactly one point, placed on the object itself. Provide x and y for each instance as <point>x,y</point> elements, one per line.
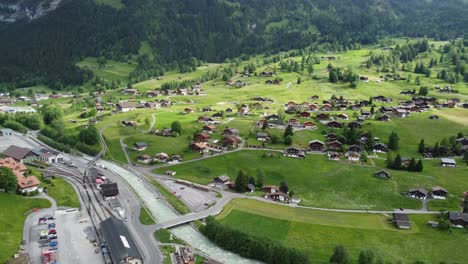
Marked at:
<point>318,232</point>
<point>331,184</point>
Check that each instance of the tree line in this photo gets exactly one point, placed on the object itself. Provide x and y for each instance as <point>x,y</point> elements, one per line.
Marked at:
<point>251,246</point>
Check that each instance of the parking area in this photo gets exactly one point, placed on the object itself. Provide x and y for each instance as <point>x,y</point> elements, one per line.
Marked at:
<point>20,141</point>
<point>67,234</point>
<point>195,199</point>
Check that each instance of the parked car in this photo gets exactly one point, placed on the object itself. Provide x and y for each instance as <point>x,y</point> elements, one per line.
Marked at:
<point>51,225</point>
<point>42,221</point>
<point>53,245</point>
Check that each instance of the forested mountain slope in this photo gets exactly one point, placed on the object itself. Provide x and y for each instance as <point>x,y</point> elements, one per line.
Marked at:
<point>44,50</point>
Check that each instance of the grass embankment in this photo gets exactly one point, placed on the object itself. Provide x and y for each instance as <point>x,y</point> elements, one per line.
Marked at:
<point>164,236</point>
<point>177,204</point>
<point>318,232</point>
<point>63,193</point>
<point>167,251</point>
<point>13,209</point>
<point>145,217</point>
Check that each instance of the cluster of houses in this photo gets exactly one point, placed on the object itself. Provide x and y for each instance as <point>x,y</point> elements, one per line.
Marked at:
<point>202,143</point>
<point>25,183</point>
<point>160,158</point>
<point>437,192</point>
<point>14,158</point>
<point>271,192</point>
<point>194,90</point>
<point>456,219</point>
<point>123,107</point>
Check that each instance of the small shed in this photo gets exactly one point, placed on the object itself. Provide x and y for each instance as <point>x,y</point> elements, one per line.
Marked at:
<point>383,174</point>
<point>401,220</point>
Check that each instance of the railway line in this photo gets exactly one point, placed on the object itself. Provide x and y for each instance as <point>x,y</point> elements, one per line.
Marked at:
<point>94,206</point>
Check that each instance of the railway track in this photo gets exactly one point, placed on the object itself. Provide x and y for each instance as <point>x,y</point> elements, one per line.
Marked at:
<point>95,208</point>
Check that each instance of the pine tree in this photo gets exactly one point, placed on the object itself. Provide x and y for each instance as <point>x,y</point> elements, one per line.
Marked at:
<point>465,157</point>
<point>265,125</point>
<point>419,166</point>
<point>366,257</point>
<point>242,181</point>
<point>421,146</point>
<point>260,178</point>
<point>393,141</point>
<point>370,141</point>
<point>397,163</point>
<point>283,187</point>
<point>288,131</point>
<point>340,256</point>
<point>412,165</point>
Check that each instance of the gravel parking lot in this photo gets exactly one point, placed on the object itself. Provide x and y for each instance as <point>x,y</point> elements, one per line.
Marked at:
<point>73,245</point>
<point>195,199</point>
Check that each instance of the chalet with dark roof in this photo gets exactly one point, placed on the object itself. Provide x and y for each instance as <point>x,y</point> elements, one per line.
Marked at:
<point>355,148</point>
<point>316,145</point>
<point>458,219</point>
<point>354,125</point>
<point>383,174</point>
<point>380,147</point>
<point>418,193</point>
<point>294,153</point>
<point>439,193</point>
<point>334,124</point>
<point>322,116</point>
<point>383,118</point>
<point>334,145</point>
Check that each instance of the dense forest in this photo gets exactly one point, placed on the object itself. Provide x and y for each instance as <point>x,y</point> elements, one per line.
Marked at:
<point>45,50</point>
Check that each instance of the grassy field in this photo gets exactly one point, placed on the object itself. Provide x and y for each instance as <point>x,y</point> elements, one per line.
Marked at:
<point>63,193</point>
<point>319,232</point>
<point>320,182</point>
<point>113,70</point>
<point>13,209</point>
<point>145,217</point>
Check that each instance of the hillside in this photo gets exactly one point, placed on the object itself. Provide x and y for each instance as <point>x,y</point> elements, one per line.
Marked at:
<point>44,50</point>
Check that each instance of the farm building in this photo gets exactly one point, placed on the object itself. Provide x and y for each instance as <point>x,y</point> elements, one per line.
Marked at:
<point>448,162</point>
